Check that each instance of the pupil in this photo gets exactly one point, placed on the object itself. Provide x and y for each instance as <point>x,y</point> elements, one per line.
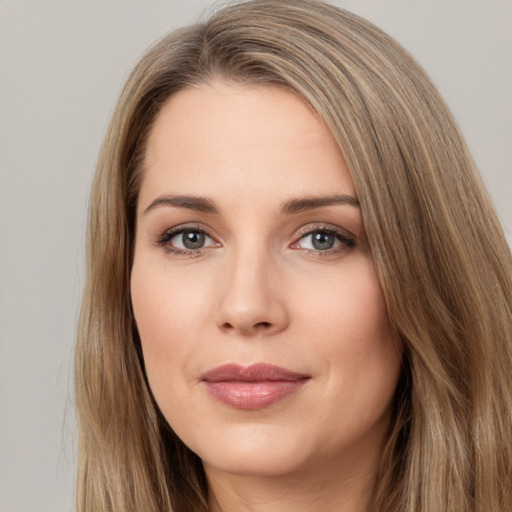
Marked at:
<point>322,241</point>
<point>193,239</point>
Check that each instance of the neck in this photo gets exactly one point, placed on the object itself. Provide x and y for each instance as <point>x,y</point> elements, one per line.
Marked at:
<point>330,489</point>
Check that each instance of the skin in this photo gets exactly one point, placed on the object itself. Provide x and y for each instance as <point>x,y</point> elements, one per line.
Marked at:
<point>260,290</point>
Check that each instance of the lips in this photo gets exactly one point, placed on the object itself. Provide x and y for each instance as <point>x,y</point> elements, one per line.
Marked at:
<point>252,387</point>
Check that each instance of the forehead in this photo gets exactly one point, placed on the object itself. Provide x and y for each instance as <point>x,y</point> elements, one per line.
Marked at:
<point>225,139</point>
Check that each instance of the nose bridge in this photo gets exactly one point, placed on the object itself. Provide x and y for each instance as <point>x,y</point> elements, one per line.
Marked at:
<point>252,300</point>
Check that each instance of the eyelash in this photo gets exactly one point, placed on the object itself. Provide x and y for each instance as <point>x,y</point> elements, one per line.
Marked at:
<point>168,235</point>
<point>347,242</point>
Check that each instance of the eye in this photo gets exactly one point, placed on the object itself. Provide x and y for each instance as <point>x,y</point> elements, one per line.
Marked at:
<point>186,240</point>
<point>189,240</point>
<point>320,240</point>
<point>324,240</point>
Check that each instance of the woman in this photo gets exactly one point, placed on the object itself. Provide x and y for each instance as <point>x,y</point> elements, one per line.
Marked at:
<point>298,294</point>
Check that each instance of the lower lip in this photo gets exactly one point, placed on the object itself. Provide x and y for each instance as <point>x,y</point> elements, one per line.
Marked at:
<point>253,395</point>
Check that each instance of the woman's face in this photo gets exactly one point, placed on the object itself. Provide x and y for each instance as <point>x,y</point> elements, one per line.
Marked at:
<point>263,326</point>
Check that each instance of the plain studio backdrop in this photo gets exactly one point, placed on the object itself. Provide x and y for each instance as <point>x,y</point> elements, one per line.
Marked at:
<point>62,65</point>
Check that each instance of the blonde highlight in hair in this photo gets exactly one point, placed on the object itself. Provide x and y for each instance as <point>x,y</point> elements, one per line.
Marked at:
<point>437,246</point>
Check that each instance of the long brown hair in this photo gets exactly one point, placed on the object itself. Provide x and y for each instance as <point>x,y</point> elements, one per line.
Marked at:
<point>438,249</point>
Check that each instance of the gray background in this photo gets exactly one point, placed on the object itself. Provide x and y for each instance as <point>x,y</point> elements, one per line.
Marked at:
<point>62,64</point>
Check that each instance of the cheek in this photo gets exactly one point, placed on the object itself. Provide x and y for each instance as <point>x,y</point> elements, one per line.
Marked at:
<point>166,300</point>
<point>347,317</point>
<point>168,316</point>
<point>373,349</point>
<point>348,307</point>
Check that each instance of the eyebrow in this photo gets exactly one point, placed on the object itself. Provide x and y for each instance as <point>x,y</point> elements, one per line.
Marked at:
<point>205,205</point>
<point>309,203</point>
<point>200,204</point>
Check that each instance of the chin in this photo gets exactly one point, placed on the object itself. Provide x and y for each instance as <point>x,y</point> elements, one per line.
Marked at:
<point>254,450</point>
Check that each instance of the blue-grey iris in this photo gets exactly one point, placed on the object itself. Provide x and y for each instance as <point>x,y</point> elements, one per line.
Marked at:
<point>193,239</point>
<point>322,241</point>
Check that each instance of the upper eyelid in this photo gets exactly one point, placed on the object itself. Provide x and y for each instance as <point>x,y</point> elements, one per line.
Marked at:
<point>303,231</point>
<point>186,227</point>
<point>166,235</point>
<point>345,237</point>
<point>164,239</point>
<point>312,227</point>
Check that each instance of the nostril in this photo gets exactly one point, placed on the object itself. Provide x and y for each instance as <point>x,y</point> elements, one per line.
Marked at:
<point>259,325</point>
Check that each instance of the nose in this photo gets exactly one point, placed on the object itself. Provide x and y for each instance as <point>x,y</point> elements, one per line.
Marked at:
<point>252,301</point>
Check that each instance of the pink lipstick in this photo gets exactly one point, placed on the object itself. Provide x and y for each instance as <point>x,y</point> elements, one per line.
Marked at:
<point>252,387</point>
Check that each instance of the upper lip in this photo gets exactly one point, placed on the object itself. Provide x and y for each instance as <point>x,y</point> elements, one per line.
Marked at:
<point>253,373</point>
